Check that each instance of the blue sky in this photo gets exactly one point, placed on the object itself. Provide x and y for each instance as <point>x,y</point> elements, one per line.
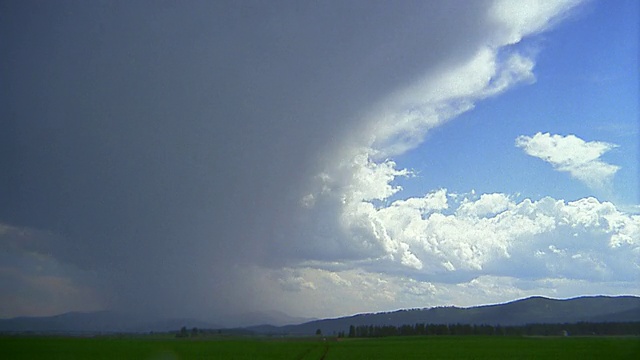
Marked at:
<point>247,156</point>
<point>586,71</point>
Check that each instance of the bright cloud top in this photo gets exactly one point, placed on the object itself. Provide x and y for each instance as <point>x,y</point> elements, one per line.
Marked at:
<point>571,154</point>
<point>489,233</point>
<point>448,248</point>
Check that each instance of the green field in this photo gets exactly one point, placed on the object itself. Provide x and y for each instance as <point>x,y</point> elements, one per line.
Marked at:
<point>446,347</point>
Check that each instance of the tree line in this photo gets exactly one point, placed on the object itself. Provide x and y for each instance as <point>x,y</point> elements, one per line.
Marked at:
<point>184,332</point>
<point>580,328</point>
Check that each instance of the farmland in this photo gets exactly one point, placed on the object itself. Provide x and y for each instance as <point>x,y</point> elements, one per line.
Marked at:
<point>433,347</point>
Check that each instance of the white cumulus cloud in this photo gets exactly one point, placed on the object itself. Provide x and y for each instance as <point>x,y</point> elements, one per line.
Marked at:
<point>571,154</point>
<point>444,249</point>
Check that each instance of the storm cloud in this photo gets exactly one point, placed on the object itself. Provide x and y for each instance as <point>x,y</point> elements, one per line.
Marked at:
<point>208,158</point>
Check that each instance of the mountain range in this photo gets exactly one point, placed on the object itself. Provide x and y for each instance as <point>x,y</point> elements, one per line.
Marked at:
<point>520,312</point>
<point>531,310</point>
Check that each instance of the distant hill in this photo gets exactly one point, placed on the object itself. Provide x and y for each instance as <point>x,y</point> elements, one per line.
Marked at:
<point>96,322</point>
<point>520,312</point>
<point>113,322</point>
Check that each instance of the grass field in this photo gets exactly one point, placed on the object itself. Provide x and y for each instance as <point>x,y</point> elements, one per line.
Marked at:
<point>449,347</point>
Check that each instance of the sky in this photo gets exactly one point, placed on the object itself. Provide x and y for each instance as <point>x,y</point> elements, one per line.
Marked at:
<point>207,159</point>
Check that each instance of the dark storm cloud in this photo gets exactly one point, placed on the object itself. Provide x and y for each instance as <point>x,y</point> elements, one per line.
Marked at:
<point>167,144</point>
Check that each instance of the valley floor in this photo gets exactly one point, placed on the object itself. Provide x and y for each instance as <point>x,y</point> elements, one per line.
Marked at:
<point>445,347</point>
